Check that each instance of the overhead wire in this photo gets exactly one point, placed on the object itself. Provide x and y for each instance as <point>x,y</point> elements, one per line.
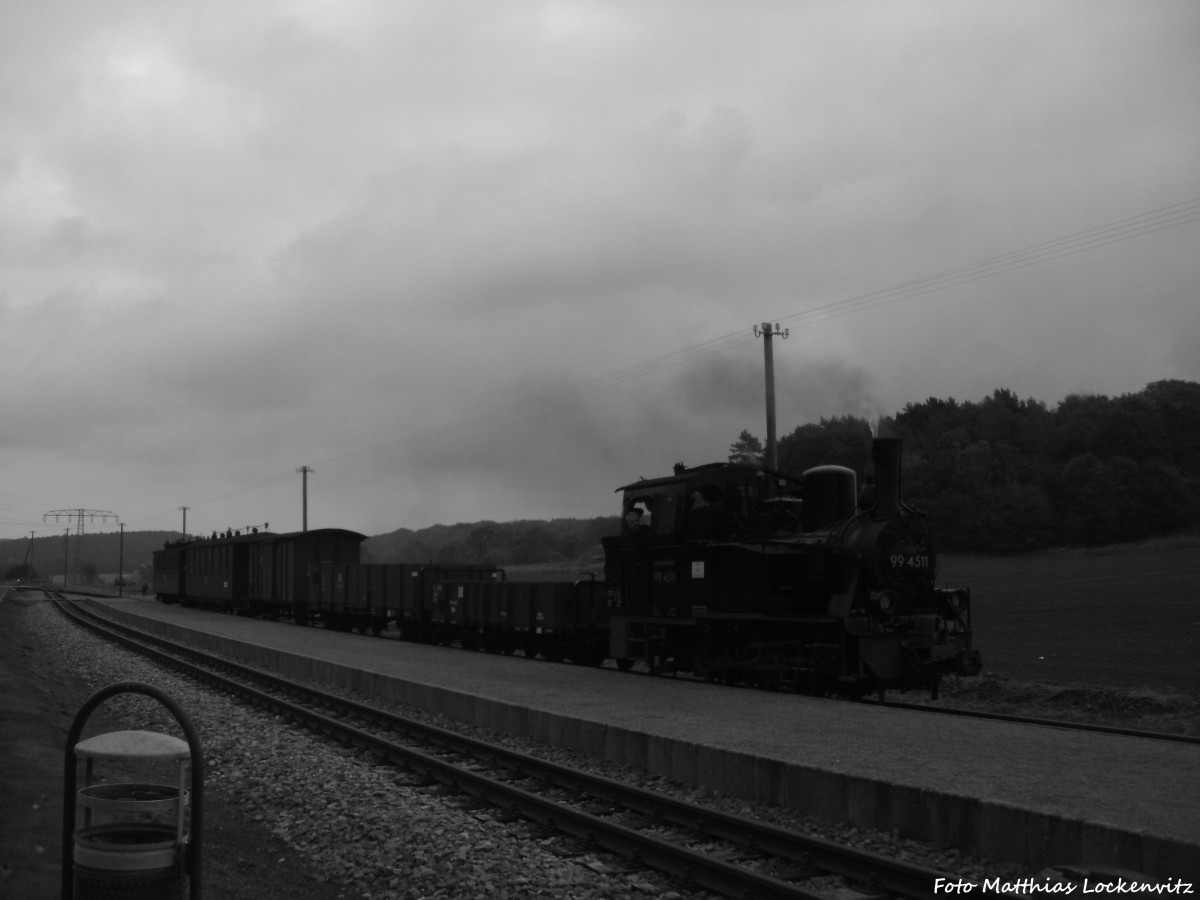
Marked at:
<point>1069,245</point>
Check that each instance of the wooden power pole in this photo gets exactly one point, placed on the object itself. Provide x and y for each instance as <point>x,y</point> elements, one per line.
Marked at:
<point>304,470</point>
<point>766,332</point>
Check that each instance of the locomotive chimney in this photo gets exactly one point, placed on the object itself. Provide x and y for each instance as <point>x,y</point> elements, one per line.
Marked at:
<point>885,454</point>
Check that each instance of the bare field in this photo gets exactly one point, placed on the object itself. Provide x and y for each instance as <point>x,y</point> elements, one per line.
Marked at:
<point>1124,619</point>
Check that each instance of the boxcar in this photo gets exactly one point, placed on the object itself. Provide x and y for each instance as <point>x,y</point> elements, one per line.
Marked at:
<point>170,585</point>
<point>284,570</point>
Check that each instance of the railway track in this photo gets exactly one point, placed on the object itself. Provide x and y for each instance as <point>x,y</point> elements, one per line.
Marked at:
<point>1043,723</point>
<point>711,850</point>
<point>918,708</point>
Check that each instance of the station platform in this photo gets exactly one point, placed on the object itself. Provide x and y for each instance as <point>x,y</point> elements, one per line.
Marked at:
<point>1032,795</point>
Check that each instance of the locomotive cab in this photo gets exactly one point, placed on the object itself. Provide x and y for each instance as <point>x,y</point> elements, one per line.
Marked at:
<point>693,547</point>
<point>716,502</point>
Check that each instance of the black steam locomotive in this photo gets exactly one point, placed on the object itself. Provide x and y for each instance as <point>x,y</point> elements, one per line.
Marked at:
<point>739,573</point>
<point>736,573</point>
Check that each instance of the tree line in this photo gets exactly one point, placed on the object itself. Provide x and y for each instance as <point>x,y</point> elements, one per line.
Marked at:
<point>493,543</point>
<point>1006,474</point>
<point>91,558</point>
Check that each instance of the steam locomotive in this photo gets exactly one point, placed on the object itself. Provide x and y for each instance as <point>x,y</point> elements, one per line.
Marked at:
<point>739,573</point>
<point>733,572</point>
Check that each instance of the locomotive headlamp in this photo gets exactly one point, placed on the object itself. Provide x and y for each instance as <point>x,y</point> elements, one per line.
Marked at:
<point>957,599</point>
<point>887,602</point>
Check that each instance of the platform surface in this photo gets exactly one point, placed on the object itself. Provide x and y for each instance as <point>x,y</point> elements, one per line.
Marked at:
<point>1139,789</point>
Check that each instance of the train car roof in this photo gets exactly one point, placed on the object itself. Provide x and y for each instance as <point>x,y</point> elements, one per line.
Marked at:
<point>222,538</point>
<point>252,536</point>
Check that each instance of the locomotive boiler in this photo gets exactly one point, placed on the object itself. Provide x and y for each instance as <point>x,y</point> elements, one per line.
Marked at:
<point>743,574</point>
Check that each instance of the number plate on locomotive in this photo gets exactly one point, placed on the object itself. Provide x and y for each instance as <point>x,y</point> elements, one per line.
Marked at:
<point>910,561</point>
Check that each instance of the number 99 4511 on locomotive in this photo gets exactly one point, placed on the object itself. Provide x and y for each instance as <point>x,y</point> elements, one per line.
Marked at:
<point>743,574</point>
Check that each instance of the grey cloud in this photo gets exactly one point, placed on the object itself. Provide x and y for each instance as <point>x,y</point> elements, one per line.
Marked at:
<point>449,253</point>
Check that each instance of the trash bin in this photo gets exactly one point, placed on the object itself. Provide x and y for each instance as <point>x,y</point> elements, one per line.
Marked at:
<point>141,840</point>
<point>132,862</point>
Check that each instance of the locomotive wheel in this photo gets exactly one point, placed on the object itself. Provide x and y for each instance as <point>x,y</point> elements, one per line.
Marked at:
<point>766,681</point>
<point>587,656</point>
<point>714,659</point>
<point>769,674</point>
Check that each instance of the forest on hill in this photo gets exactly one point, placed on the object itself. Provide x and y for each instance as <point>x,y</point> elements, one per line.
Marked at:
<point>494,543</point>
<point>1006,474</point>
<point>93,557</point>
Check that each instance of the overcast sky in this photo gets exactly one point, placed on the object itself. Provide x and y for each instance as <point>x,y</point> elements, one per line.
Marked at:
<point>491,260</point>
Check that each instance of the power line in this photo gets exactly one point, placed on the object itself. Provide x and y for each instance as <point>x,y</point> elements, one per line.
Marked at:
<point>79,515</point>
<point>1069,245</point>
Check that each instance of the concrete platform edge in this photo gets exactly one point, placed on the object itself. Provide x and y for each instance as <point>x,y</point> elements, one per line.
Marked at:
<point>994,830</point>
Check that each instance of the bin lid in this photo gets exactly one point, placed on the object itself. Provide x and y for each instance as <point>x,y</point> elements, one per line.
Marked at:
<point>133,745</point>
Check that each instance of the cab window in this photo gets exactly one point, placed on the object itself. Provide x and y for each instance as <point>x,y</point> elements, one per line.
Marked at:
<point>649,513</point>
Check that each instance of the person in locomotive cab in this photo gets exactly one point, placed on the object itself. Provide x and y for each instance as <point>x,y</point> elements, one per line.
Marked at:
<point>637,519</point>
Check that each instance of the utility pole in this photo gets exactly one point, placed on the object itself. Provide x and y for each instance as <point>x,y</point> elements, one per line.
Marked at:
<point>185,509</point>
<point>766,333</point>
<point>304,470</point>
<point>121,563</point>
<point>80,515</point>
<point>29,558</point>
